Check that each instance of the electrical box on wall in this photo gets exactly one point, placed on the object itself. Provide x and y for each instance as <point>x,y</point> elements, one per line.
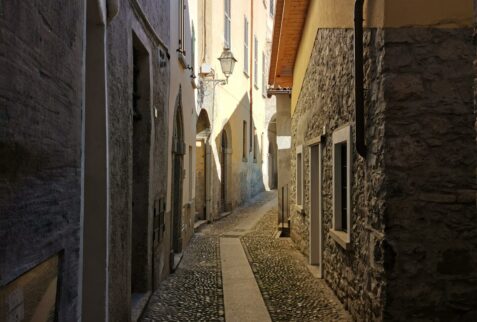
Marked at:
<point>205,69</point>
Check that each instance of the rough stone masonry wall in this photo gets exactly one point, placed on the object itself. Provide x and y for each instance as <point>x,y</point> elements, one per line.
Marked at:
<point>431,217</point>
<point>41,63</point>
<point>327,99</point>
<point>120,78</point>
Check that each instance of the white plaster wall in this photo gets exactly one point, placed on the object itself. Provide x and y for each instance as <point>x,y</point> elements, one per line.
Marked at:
<point>181,78</point>
<point>231,102</point>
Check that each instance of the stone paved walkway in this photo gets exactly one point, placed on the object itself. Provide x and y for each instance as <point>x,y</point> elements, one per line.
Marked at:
<point>195,291</point>
<point>290,291</point>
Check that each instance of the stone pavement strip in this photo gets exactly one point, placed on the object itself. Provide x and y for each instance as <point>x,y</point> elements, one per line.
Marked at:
<point>242,298</point>
<point>227,251</point>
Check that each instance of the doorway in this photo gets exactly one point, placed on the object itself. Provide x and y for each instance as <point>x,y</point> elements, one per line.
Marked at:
<point>141,250</point>
<point>272,154</point>
<point>272,166</point>
<point>201,166</point>
<point>223,167</point>
<point>315,206</point>
<point>178,151</point>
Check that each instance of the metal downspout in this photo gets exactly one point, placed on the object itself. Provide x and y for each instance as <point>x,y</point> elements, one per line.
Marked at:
<point>251,63</point>
<point>359,77</point>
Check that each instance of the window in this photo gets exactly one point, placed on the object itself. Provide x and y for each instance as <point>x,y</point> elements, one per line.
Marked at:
<point>255,62</point>
<point>341,185</point>
<point>299,176</point>
<point>192,49</point>
<point>180,10</point>
<point>245,45</point>
<point>271,7</point>
<point>244,141</point>
<point>227,24</point>
<point>264,76</point>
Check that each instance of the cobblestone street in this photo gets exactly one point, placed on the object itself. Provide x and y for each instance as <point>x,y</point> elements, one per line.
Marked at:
<point>195,292</point>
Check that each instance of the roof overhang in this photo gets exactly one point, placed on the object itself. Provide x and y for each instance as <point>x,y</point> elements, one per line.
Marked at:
<point>290,18</point>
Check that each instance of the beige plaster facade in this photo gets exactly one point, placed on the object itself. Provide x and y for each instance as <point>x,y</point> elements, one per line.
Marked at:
<point>239,111</point>
<point>181,121</point>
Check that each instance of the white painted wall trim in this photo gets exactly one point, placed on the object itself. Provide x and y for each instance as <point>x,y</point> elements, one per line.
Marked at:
<point>340,136</point>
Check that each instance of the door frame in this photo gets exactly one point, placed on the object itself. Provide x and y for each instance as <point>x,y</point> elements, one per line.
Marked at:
<point>316,213</point>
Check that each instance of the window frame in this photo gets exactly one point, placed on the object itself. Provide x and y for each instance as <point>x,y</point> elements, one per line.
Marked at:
<point>255,61</point>
<point>246,47</point>
<point>341,136</point>
<point>192,49</point>
<point>264,75</point>
<point>181,35</point>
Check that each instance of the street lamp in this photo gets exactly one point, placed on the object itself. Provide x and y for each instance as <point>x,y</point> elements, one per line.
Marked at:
<point>227,63</point>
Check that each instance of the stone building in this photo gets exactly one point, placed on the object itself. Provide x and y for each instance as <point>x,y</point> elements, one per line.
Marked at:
<point>84,92</point>
<point>233,111</point>
<point>383,154</point>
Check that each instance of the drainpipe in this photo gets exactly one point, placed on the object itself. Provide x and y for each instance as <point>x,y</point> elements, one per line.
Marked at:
<point>359,77</point>
<point>251,62</point>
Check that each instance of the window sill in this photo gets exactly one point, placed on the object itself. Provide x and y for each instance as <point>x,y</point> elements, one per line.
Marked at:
<point>246,74</point>
<point>244,160</point>
<point>256,87</point>
<point>182,60</point>
<point>340,237</point>
<point>299,210</point>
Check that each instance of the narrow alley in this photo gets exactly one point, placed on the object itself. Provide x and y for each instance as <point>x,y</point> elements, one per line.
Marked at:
<point>274,284</point>
<point>238,160</point>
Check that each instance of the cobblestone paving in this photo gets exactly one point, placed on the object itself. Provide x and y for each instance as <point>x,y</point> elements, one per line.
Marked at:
<point>194,291</point>
<point>289,290</point>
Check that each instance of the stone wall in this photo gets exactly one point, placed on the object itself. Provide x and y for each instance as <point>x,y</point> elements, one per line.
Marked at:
<point>41,86</point>
<point>327,101</point>
<point>413,234</point>
<point>431,157</point>
<point>120,78</point>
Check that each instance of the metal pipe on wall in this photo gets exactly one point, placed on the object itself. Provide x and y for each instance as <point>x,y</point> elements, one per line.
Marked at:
<point>359,77</point>
<point>251,59</point>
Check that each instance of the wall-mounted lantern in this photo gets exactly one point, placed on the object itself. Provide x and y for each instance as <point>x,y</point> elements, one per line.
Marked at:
<point>227,63</point>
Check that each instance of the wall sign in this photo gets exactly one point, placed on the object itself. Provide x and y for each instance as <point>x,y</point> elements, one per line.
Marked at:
<point>32,296</point>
